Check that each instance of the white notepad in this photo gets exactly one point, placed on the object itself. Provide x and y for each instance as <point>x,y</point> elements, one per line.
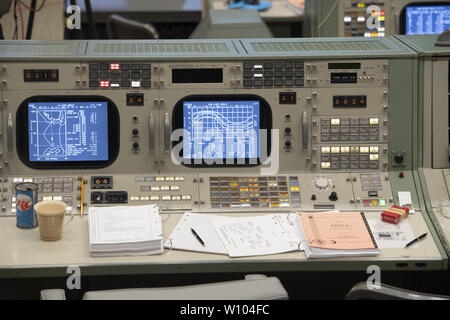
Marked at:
<point>125,231</point>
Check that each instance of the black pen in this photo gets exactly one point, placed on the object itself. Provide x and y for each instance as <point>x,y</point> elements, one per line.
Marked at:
<point>416,239</point>
<point>198,237</point>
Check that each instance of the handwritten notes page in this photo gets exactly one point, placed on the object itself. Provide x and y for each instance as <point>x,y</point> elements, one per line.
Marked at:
<point>253,236</point>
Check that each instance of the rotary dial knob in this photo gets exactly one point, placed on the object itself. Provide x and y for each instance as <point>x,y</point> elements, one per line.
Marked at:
<point>322,183</point>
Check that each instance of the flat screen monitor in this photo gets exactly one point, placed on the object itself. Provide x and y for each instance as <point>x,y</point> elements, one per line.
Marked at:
<point>221,131</point>
<point>425,18</point>
<point>63,133</point>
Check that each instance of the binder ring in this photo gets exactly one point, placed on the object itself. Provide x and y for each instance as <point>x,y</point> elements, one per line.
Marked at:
<point>299,244</point>
<point>289,220</point>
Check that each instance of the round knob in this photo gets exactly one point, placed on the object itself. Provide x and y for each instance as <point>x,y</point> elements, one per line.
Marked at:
<point>135,132</point>
<point>333,196</point>
<point>288,117</point>
<point>287,130</point>
<point>398,158</point>
<point>288,143</point>
<point>135,146</point>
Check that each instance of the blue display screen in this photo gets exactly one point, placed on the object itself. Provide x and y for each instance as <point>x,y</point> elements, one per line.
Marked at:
<point>427,19</point>
<point>68,131</point>
<point>221,129</point>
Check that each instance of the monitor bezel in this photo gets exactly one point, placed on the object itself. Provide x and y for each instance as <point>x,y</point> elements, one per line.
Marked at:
<point>265,122</point>
<point>402,17</point>
<point>22,134</point>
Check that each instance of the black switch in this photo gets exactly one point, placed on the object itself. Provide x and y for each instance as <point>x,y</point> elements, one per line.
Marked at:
<point>135,132</point>
<point>333,196</point>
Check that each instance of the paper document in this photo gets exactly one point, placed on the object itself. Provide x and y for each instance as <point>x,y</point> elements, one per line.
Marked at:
<point>261,235</point>
<point>404,200</point>
<point>182,238</point>
<point>337,231</point>
<point>388,235</point>
<point>125,230</point>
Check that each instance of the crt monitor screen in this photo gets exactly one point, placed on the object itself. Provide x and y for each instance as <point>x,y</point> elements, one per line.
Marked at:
<point>68,131</point>
<point>221,129</point>
<point>426,18</point>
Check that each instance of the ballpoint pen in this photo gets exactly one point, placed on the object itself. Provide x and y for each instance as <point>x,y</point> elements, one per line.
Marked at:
<point>416,239</point>
<point>197,237</point>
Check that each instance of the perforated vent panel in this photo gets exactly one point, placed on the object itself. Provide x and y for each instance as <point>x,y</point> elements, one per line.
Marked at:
<point>351,46</point>
<point>149,48</point>
<point>39,49</point>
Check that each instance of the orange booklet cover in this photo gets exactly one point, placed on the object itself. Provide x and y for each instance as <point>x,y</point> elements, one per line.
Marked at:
<point>337,230</point>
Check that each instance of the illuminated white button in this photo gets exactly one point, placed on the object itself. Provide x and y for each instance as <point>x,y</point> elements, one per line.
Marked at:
<point>46,198</point>
<point>179,178</point>
<point>257,66</point>
<point>13,205</point>
<point>115,85</point>
<point>159,178</point>
<point>373,149</point>
<point>166,197</point>
<point>364,149</point>
<point>176,197</point>
<point>257,75</point>
<point>373,157</point>
<point>13,210</point>
<point>165,188</point>
<point>134,198</point>
<point>373,120</point>
<point>154,188</point>
<point>59,198</point>
<point>335,122</point>
<point>173,188</point>
<point>347,19</point>
<point>284,205</point>
<point>170,178</point>
<point>135,84</point>
<point>335,149</point>
<point>186,197</point>
<point>144,198</point>
<point>325,149</point>
<point>367,34</point>
<point>354,149</point>
<point>13,199</point>
<point>325,165</point>
<point>154,198</point>
<point>69,209</point>
<point>381,34</point>
<point>27,179</point>
<point>17,180</point>
<point>345,149</point>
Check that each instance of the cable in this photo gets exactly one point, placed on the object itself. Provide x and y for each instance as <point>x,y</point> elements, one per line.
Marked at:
<point>16,32</point>
<point>21,21</point>
<point>319,26</point>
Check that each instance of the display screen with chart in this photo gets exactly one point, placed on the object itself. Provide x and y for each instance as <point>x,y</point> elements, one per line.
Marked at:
<point>67,131</point>
<point>426,18</point>
<point>221,130</point>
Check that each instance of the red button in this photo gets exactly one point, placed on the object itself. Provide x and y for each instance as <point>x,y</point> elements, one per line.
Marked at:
<point>313,197</point>
<point>401,175</point>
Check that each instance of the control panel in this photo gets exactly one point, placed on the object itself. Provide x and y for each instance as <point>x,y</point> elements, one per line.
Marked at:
<point>218,126</point>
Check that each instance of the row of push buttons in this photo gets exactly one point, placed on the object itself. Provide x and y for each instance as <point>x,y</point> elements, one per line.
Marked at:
<point>161,198</point>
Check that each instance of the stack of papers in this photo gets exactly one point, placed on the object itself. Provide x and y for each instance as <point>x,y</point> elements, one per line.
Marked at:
<point>125,231</point>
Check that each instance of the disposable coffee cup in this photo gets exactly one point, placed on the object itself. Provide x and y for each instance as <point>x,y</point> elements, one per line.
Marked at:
<point>51,215</point>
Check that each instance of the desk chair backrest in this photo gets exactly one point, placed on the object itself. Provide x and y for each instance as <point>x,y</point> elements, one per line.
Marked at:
<point>253,287</point>
<point>360,291</point>
<point>123,28</point>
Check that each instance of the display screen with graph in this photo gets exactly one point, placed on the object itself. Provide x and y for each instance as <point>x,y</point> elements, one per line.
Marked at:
<point>68,131</point>
<point>221,129</point>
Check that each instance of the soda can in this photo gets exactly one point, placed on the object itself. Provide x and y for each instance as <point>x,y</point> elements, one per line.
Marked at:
<point>26,198</point>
